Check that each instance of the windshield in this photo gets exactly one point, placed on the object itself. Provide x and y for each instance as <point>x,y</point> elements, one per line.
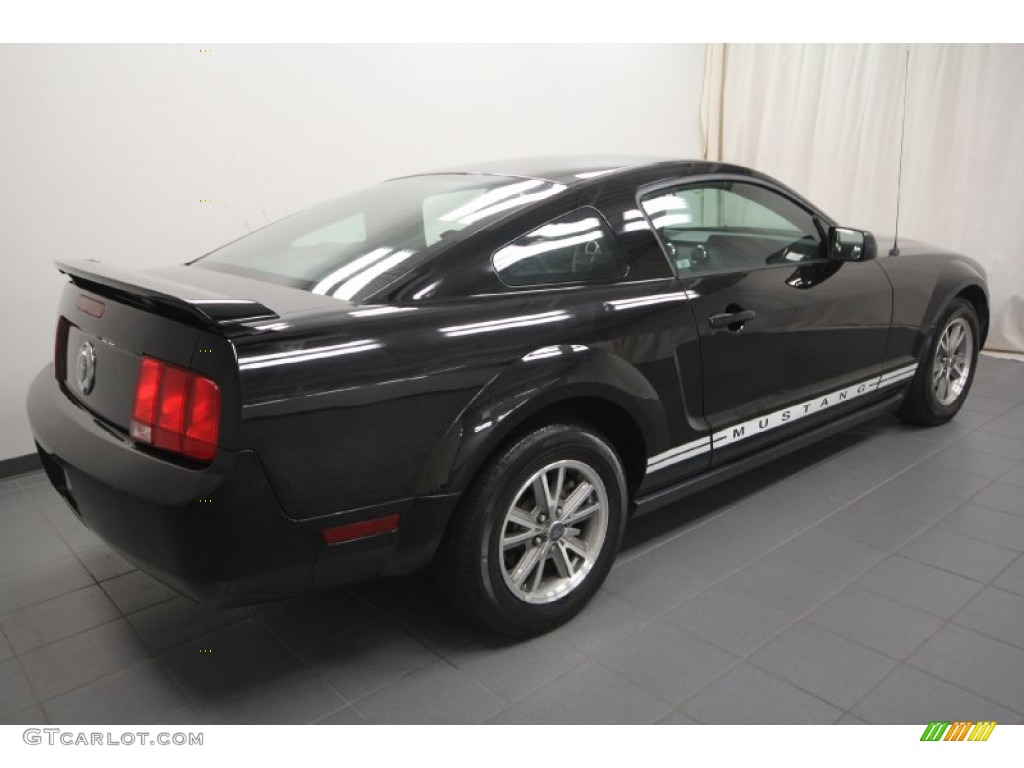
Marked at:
<point>355,246</point>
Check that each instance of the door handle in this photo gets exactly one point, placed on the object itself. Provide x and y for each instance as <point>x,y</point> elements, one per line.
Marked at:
<point>733,318</point>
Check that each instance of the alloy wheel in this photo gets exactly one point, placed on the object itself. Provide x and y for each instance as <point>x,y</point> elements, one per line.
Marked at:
<point>553,531</point>
<point>951,367</point>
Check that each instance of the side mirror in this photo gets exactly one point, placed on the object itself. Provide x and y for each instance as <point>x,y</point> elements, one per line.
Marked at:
<point>851,244</point>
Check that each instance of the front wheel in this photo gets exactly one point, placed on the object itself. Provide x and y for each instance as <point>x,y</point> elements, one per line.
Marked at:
<point>537,533</point>
<point>945,374</point>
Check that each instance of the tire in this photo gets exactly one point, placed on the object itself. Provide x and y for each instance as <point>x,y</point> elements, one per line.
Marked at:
<point>522,572</point>
<point>941,384</point>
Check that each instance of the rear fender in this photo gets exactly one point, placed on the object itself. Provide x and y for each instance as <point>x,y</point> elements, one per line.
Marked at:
<point>539,380</point>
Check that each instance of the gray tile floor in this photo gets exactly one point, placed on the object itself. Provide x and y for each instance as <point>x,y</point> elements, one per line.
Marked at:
<point>876,577</point>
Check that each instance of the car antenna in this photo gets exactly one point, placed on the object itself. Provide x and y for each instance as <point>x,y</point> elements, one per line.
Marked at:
<point>895,251</point>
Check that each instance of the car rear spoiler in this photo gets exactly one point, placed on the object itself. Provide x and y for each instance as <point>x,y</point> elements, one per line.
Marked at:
<point>166,297</point>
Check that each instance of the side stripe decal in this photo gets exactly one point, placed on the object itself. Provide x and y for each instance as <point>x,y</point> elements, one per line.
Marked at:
<point>679,453</point>
<point>756,426</point>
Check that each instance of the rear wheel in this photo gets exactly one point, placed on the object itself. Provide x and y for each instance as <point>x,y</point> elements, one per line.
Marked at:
<point>537,533</point>
<point>944,376</point>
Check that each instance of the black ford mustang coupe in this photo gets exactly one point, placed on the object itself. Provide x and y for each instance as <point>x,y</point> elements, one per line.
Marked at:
<point>489,369</point>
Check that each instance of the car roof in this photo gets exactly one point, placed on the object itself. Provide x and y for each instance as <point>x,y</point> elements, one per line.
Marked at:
<point>575,169</point>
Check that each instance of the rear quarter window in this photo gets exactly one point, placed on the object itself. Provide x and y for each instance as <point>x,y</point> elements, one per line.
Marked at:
<point>576,247</point>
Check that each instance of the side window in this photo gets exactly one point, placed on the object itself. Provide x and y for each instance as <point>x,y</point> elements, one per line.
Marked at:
<point>573,248</point>
<point>731,226</point>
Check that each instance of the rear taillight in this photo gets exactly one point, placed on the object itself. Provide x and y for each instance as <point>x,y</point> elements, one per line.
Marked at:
<point>176,410</point>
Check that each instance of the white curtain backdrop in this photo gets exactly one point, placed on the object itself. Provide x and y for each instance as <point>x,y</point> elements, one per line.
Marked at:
<point>826,120</point>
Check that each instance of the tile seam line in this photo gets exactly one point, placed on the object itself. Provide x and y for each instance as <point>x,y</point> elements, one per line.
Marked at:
<point>802,616</point>
<point>843,506</point>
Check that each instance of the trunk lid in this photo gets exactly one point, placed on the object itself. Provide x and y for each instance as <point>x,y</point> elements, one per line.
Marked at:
<point>110,318</point>
<point>199,296</point>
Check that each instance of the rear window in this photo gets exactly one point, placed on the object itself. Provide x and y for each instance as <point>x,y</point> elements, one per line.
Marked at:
<point>355,246</point>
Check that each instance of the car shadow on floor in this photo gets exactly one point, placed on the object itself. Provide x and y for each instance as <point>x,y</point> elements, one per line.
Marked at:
<point>113,646</point>
<point>359,639</point>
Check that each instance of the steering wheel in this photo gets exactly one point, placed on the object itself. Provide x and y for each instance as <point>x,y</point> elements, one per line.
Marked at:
<point>700,255</point>
<point>585,256</point>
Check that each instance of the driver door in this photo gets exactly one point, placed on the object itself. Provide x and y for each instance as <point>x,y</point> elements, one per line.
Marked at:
<point>780,324</point>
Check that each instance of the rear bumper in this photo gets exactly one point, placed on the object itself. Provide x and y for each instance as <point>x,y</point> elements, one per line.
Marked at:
<point>217,534</point>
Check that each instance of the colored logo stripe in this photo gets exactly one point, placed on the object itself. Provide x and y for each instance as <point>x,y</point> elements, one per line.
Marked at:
<point>960,730</point>
<point>982,731</point>
<point>934,731</point>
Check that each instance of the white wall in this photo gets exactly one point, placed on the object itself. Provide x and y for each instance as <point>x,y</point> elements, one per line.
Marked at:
<point>106,151</point>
